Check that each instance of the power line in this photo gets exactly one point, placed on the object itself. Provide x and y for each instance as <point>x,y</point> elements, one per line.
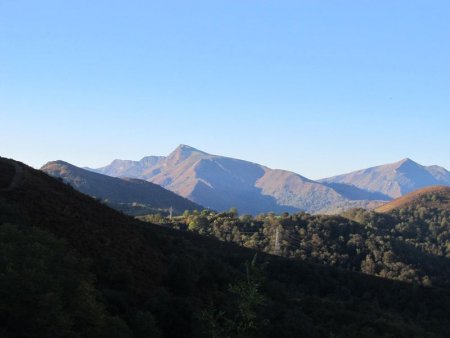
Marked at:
<point>277,242</point>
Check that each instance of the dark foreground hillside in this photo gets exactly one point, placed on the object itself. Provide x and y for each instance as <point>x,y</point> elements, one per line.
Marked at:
<point>72,267</point>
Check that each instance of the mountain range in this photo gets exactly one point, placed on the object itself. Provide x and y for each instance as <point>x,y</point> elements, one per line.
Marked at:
<point>219,182</point>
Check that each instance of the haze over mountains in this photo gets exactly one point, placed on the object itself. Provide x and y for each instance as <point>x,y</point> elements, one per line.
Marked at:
<point>219,182</point>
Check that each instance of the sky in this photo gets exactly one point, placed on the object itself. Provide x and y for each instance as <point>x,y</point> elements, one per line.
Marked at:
<point>318,87</point>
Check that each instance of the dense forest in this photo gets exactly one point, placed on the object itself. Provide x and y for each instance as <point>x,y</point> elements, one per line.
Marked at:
<point>410,244</point>
<point>72,267</point>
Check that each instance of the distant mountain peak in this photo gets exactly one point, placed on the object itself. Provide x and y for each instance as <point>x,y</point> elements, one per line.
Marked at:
<point>407,164</point>
<point>58,163</point>
<point>407,161</point>
<point>61,162</point>
<point>187,149</point>
<point>183,152</point>
<point>394,179</point>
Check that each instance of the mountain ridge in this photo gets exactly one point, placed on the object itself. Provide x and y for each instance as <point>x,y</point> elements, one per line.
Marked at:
<point>125,194</point>
<point>220,182</point>
<point>394,179</point>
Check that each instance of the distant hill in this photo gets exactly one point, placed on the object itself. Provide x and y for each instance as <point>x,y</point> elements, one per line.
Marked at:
<point>132,196</point>
<point>431,197</point>
<point>220,183</point>
<point>73,267</point>
<point>395,179</point>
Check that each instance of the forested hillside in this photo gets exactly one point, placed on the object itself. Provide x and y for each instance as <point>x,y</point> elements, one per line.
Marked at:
<point>72,267</point>
<point>434,199</point>
<point>411,243</point>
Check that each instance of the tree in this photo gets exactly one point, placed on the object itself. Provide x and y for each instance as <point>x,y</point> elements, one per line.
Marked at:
<point>233,212</point>
<point>45,288</point>
<point>244,319</point>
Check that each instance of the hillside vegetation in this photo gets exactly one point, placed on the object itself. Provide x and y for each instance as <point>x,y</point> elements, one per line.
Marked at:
<point>435,197</point>
<point>72,267</point>
<point>411,243</point>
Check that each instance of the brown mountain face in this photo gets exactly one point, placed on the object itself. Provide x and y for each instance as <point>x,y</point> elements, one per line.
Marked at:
<point>220,183</point>
<point>437,197</point>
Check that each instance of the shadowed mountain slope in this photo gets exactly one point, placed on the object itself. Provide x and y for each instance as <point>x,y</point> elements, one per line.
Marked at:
<point>126,194</point>
<point>357,194</point>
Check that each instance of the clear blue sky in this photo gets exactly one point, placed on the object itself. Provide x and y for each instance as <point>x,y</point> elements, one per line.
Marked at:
<point>317,87</point>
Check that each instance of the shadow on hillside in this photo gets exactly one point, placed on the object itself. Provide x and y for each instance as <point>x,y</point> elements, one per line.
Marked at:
<point>432,265</point>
